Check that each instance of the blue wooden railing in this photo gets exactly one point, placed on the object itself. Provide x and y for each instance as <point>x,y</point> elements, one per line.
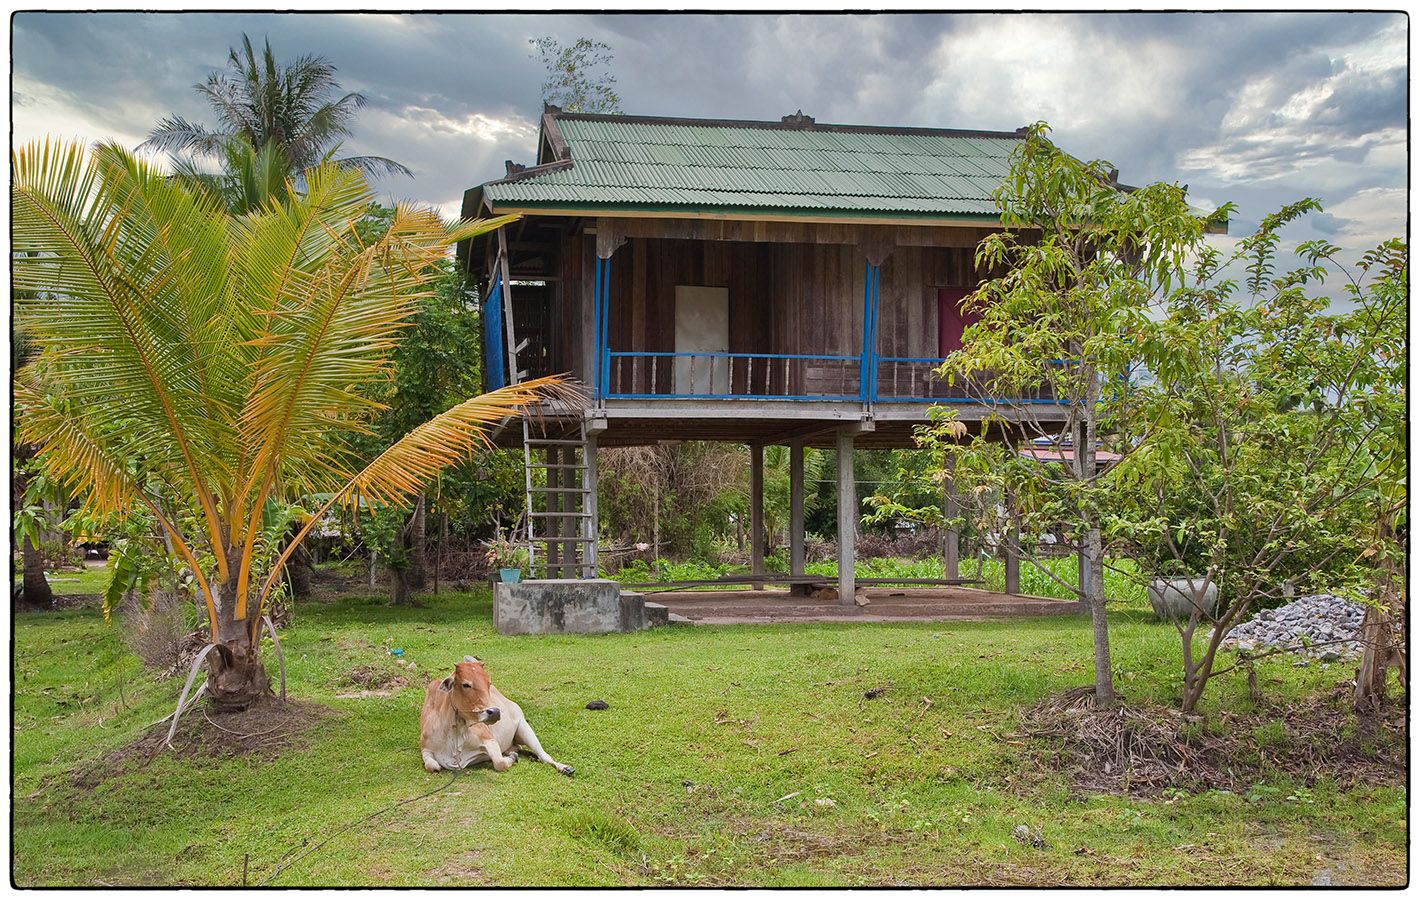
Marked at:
<point>648,375</point>
<point>914,379</point>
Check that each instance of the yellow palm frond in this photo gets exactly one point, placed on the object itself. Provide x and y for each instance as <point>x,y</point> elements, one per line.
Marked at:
<point>410,463</point>
<point>407,466</point>
<point>73,455</point>
<point>329,337</point>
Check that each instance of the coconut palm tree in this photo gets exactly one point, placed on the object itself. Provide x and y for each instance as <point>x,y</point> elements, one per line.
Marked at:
<point>268,104</point>
<point>249,178</point>
<point>194,365</point>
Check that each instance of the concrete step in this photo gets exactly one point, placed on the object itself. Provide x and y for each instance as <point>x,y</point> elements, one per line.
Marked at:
<point>633,611</point>
<point>676,619</point>
<point>657,614</point>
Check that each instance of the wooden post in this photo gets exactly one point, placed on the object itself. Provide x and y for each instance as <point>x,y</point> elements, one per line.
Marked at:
<point>951,539</point>
<point>552,478</point>
<point>1084,566</point>
<point>1012,546</point>
<point>756,511</point>
<point>796,508</point>
<point>589,556</point>
<point>847,518</point>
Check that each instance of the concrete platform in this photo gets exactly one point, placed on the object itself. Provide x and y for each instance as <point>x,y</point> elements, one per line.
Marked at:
<point>566,606</point>
<point>884,605</point>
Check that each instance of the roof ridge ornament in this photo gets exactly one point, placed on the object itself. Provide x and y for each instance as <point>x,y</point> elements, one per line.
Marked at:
<point>798,120</point>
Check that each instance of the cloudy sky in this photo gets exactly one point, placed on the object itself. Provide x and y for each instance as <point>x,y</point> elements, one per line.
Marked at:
<point>1257,108</point>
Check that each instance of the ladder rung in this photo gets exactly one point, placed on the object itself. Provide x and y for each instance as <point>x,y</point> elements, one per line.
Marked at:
<point>560,515</point>
<point>548,490</point>
<point>551,539</point>
<point>561,442</point>
<point>555,466</point>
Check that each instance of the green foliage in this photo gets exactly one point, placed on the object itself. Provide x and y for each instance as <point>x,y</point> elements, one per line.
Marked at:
<point>385,531</point>
<point>685,495</point>
<point>1277,444</point>
<point>248,179</point>
<point>578,75</point>
<point>436,365</point>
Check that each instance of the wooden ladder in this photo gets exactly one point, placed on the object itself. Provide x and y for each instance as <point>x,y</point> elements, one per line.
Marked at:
<point>561,504</point>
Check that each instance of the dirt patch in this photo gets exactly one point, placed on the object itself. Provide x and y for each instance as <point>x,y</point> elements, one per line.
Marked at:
<point>888,604</point>
<point>1144,749</point>
<point>266,728</point>
<point>371,681</point>
<point>464,869</point>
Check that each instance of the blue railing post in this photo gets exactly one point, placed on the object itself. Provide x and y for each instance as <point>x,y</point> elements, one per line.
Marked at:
<point>867,369</point>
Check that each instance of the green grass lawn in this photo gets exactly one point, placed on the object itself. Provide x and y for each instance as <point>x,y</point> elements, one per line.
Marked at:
<point>92,579</point>
<point>730,755</point>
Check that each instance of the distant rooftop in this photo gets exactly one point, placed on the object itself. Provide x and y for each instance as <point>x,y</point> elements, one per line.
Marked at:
<point>794,167</point>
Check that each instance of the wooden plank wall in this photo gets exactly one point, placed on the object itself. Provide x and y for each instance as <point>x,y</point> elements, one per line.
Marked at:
<point>784,297</point>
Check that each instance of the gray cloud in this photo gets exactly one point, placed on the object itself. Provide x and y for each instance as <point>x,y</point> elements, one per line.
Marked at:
<point>1258,108</point>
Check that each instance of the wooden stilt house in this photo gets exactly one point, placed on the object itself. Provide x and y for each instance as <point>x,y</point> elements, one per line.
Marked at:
<point>751,282</point>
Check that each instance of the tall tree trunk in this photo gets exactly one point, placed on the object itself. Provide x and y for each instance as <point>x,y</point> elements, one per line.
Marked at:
<point>1085,466</point>
<point>1380,649</point>
<point>399,587</point>
<point>1099,622</point>
<point>419,544</point>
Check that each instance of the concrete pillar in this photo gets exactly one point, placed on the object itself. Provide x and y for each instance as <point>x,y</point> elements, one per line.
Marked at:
<point>951,539</point>
<point>756,511</point>
<point>1011,546</point>
<point>847,518</point>
<point>796,508</point>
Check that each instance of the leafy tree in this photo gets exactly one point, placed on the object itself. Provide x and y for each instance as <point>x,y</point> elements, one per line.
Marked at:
<point>196,365</point>
<point>1278,454</point>
<point>576,81</point>
<point>436,365</point>
<point>267,104</point>
<point>1077,270</point>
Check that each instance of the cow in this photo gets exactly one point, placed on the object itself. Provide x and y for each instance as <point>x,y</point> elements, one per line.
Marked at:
<point>467,720</point>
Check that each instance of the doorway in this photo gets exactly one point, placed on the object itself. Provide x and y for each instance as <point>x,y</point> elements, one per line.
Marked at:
<point>702,325</point>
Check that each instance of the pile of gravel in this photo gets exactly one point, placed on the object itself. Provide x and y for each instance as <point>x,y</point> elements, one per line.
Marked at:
<point>1316,619</point>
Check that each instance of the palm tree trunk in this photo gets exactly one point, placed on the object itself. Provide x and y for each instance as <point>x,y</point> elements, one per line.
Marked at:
<point>36,592</point>
<point>299,572</point>
<point>236,678</point>
<point>418,545</point>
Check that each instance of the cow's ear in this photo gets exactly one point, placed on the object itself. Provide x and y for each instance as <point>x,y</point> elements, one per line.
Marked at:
<point>472,659</point>
<point>447,684</point>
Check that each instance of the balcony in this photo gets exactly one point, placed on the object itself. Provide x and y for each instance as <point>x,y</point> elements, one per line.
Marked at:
<point>648,375</point>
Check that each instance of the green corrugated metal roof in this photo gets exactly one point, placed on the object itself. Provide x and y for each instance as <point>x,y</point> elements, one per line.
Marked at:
<point>624,162</point>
